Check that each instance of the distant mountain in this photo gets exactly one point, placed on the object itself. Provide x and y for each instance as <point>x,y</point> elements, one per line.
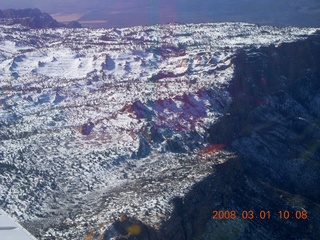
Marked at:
<point>32,18</point>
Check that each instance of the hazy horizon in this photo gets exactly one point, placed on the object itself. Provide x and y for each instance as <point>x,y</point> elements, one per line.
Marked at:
<point>121,13</point>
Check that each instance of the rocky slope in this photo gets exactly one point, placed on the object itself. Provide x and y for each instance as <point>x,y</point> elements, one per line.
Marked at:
<point>163,123</point>
<point>273,130</point>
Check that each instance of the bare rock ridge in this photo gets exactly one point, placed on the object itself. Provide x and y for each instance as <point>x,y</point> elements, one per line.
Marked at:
<point>273,128</point>
<point>32,18</point>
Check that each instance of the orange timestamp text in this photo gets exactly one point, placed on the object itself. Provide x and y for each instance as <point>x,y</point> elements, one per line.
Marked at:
<point>262,214</point>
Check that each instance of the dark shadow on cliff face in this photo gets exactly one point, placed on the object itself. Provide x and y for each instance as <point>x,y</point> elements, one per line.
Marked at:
<point>273,127</point>
<point>276,93</point>
<point>230,188</point>
<point>192,212</point>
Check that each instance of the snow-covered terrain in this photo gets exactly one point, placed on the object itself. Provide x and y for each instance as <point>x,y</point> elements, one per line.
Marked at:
<point>95,123</point>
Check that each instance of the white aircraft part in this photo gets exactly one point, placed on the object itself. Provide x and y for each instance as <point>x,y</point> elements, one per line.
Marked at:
<point>11,230</point>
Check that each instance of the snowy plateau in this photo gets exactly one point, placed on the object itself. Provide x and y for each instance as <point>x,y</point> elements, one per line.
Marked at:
<point>95,123</point>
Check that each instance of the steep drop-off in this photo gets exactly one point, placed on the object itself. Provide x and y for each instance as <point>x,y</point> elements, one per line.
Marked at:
<point>273,129</point>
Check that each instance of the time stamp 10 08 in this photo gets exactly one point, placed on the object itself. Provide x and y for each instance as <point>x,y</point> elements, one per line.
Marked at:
<point>262,214</point>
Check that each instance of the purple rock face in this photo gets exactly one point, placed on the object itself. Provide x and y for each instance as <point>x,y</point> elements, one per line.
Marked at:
<point>87,128</point>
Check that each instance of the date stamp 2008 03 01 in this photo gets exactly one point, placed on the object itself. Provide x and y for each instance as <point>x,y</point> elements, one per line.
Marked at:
<point>262,214</point>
